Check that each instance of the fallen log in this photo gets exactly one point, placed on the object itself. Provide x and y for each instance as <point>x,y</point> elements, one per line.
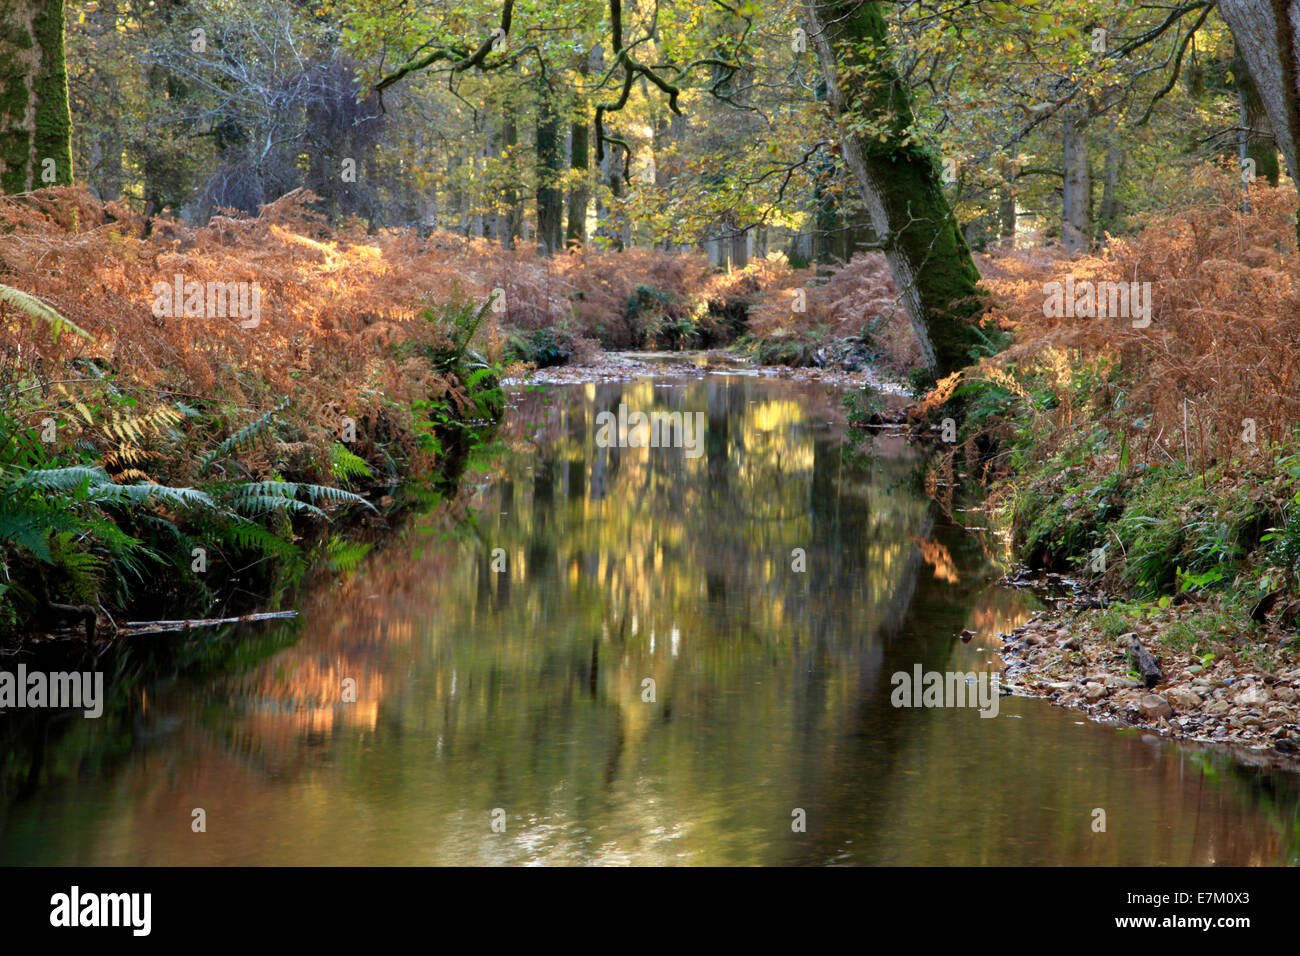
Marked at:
<point>1145,664</point>
<point>138,628</point>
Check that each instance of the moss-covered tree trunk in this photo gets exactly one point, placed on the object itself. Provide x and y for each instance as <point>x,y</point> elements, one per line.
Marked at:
<point>928,256</point>
<point>550,172</point>
<point>35,124</point>
<point>580,192</point>
<point>1256,131</point>
<point>580,165</point>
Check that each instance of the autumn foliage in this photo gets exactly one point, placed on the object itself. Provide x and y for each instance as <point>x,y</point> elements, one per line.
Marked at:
<point>343,329</point>
<point>1213,377</point>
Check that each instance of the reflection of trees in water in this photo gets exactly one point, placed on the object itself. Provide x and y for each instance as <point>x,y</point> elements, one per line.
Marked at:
<point>858,756</point>
<point>522,689</point>
<point>666,551</point>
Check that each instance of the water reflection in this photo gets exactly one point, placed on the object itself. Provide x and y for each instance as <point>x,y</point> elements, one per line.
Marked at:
<point>509,668</point>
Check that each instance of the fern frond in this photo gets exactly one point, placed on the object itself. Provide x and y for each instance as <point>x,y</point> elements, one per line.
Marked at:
<point>274,489</point>
<point>346,465</point>
<point>29,531</point>
<point>131,428</point>
<point>248,536</point>
<point>250,433</point>
<point>345,556</point>
<point>145,493</point>
<point>133,474</point>
<point>34,307</point>
<point>66,479</point>
<point>326,493</point>
<point>265,504</point>
<point>126,454</point>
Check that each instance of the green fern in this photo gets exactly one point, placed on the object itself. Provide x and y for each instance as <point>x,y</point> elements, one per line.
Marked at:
<point>260,497</point>
<point>66,480</point>
<point>317,493</point>
<point>30,529</point>
<point>346,466</point>
<point>345,556</point>
<point>82,570</point>
<point>274,489</point>
<point>34,307</point>
<point>246,535</point>
<point>266,504</point>
<point>254,431</point>
<point>140,494</point>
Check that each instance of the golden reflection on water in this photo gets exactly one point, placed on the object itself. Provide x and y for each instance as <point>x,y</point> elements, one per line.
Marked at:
<point>517,679</point>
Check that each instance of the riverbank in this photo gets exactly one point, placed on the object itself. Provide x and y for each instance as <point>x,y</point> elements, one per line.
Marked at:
<point>1076,660</point>
<point>193,420</point>
<point>1155,461</point>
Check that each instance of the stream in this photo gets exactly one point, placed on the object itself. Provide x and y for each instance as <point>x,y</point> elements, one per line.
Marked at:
<point>639,655</point>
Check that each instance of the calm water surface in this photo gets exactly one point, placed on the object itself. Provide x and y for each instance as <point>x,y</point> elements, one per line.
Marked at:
<point>504,666</point>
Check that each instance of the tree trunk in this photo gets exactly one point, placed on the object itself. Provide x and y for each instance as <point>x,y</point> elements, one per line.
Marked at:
<point>35,123</point>
<point>109,172</point>
<point>1266,39</point>
<point>514,206</point>
<point>930,261</point>
<point>550,168</point>
<point>611,171</point>
<point>828,246</point>
<point>1110,204</point>
<point>495,222</point>
<point>1256,130</point>
<point>580,162</point>
<point>738,257</point>
<point>1076,211</point>
<point>457,193</point>
<point>1007,217</point>
<point>580,193</point>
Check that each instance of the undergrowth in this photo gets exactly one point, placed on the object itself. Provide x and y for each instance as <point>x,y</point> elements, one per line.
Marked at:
<point>150,463</point>
<point>1160,462</point>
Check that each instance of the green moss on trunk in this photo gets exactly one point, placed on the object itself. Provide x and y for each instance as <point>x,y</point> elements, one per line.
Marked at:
<point>927,252</point>
<point>579,162</point>
<point>550,173</point>
<point>35,122</point>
